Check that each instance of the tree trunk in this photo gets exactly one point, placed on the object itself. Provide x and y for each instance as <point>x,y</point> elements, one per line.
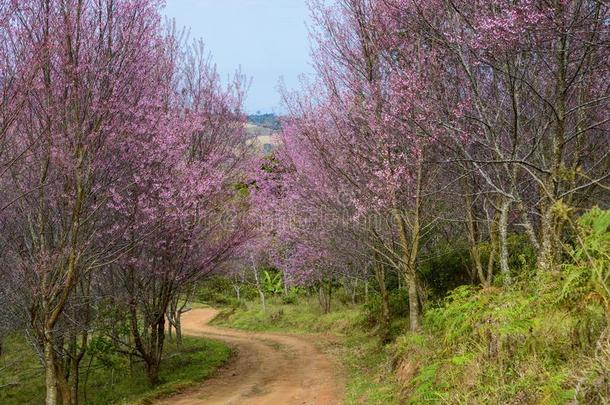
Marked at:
<point>413,304</point>
<point>259,289</point>
<point>529,228</point>
<point>324,296</point>
<point>411,250</point>
<point>385,297</point>
<point>149,343</point>
<point>350,285</point>
<point>174,316</point>
<point>64,388</point>
<point>321,297</point>
<point>285,280</point>
<point>261,296</point>
<point>545,255</point>
<point>152,373</point>
<point>50,370</point>
<point>473,239</point>
<point>330,295</point>
<point>74,382</point>
<point>550,188</point>
<point>178,328</point>
<point>74,360</point>
<point>409,271</point>
<point>153,358</point>
<point>503,234</point>
<point>87,378</point>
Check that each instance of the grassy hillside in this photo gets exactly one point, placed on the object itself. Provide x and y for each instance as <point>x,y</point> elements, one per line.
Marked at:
<point>254,131</point>
<point>510,345</point>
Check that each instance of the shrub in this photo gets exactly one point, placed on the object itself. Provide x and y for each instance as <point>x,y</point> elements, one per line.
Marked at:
<point>398,304</point>
<point>372,309</point>
<point>219,291</point>
<point>587,276</point>
<point>290,299</point>
<point>446,269</point>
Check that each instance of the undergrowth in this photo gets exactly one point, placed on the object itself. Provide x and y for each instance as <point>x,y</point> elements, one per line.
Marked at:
<point>545,339</point>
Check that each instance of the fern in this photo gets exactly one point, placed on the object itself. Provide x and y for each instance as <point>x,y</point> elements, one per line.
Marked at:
<point>587,277</point>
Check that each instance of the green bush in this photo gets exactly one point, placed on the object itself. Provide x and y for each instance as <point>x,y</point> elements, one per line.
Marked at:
<point>398,305</point>
<point>446,269</point>
<point>219,291</point>
<point>273,282</point>
<point>522,255</point>
<point>343,296</point>
<point>371,310</point>
<point>587,275</point>
<point>545,339</point>
<point>291,298</point>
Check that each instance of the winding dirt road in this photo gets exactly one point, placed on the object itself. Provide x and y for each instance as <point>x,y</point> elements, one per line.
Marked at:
<point>266,369</point>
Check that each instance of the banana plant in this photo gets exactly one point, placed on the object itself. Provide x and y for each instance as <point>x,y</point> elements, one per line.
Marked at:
<point>272,282</point>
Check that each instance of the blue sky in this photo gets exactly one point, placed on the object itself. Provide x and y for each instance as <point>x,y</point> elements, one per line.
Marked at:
<point>267,38</point>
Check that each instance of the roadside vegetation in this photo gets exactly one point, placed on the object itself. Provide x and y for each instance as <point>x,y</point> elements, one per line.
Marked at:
<point>110,378</point>
<point>446,169</point>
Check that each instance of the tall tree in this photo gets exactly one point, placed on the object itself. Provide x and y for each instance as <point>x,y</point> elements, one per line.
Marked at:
<point>94,86</point>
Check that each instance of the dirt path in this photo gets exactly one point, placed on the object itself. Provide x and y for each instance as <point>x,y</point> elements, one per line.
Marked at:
<point>268,368</point>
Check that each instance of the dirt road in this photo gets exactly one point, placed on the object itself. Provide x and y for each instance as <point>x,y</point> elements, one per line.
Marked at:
<point>267,369</point>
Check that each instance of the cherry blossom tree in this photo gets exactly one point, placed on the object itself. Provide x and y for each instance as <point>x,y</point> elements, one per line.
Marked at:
<point>179,209</point>
<point>531,81</point>
<point>18,65</point>
<point>93,87</point>
<point>504,100</point>
<point>367,132</point>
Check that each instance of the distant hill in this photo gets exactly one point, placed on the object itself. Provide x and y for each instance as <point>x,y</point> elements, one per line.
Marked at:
<point>263,131</point>
<point>269,121</point>
<point>254,130</point>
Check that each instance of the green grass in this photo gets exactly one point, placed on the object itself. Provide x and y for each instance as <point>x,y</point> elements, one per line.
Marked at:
<point>371,379</point>
<point>543,339</point>
<point>369,376</point>
<point>304,317</point>
<point>110,380</point>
